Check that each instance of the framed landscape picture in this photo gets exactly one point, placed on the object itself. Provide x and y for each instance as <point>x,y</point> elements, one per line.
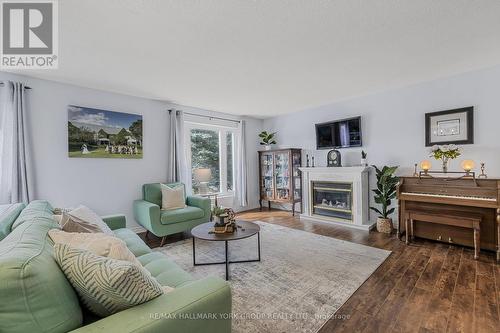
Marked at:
<point>451,126</point>
<point>95,133</point>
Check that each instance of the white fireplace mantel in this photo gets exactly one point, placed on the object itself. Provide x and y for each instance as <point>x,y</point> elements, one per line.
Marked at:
<point>357,175</point>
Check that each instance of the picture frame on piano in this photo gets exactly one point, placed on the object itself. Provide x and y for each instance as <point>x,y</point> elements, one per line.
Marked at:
<point>454,126</point>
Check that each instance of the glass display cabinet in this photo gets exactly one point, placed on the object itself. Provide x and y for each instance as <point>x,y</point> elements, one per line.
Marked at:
<point>279,177</point>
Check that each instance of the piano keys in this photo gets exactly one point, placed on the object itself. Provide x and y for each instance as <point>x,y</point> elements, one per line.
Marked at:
<point>441,195</point>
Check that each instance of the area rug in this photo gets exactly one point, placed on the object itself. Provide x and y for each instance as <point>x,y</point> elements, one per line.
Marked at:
<point>301,280</point>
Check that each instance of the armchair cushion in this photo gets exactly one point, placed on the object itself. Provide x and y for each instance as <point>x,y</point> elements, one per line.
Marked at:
<point>187,213</point>
<point>200,202</point>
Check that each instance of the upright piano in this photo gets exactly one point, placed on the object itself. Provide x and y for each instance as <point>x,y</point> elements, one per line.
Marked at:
<point>455,196</point>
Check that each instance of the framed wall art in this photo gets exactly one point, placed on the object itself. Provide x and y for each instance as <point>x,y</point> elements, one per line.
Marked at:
<point>450,126</point>
<point>95,133</point>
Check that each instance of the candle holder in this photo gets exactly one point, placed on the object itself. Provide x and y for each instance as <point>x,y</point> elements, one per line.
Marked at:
<point>482,175</point>
<point>415,173</point>
<point>307,160</point>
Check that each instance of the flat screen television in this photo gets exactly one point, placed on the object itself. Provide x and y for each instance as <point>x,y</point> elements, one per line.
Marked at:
<point>339,134</point>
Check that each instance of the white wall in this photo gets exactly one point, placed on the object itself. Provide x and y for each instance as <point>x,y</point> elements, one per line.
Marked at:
<point>393,122</point>
<point>106,185</point>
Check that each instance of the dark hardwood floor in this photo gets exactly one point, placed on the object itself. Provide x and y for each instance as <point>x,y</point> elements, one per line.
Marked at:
<point>424,287</point>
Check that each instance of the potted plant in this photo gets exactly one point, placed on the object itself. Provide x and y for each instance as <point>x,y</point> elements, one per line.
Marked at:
<point>267,139</point>
<point>445,153</point>
<point>384,193</point>
<point>363,158</point>
<point>220,215</point>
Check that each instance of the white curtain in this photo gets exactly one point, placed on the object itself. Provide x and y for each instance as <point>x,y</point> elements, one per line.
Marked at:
<point>177,163</point>
<point>15,171</point>
<point>240,179</point>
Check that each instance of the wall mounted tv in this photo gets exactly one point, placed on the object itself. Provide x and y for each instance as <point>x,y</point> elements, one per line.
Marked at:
<point>339,134</point>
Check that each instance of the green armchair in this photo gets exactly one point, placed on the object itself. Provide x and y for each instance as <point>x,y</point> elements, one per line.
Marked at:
<point>148,213</point>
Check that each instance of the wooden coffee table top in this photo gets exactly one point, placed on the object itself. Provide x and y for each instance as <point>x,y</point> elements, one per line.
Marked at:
<point>247,229</point>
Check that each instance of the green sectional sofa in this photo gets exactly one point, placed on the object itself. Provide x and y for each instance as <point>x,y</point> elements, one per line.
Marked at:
<point>8,215</point>
<point>162,223</point>
<point>35,295</point>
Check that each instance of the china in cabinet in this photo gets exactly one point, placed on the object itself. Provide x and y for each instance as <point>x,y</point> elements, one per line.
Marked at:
<point>279,177</point>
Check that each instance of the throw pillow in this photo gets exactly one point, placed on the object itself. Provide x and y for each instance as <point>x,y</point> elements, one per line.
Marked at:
<point>172,196</point>
<point>97,243</point>
<point>105,285</point>
<point>83,219</point>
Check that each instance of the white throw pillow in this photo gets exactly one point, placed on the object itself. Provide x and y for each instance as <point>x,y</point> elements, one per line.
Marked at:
<point>172,197</point>
<point>97,243</point>
<point>106,285</point>
<point>83,219</point>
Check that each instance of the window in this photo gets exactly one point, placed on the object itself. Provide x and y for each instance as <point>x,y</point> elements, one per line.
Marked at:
<point>205,155</point>
<point>210,152</point>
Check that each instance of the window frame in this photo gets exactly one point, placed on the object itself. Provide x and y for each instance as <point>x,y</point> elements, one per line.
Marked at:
<point>222,131</point>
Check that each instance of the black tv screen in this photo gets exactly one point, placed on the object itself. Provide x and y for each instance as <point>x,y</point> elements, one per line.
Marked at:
<point>339,134</point>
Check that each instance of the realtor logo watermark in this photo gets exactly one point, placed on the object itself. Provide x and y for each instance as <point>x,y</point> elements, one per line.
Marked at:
<point>29,34</point>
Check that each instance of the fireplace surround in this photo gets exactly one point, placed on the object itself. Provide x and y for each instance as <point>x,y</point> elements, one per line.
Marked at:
<point>337,195</point>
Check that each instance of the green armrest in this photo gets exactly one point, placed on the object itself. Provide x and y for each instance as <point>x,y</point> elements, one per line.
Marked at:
<point>200,306</point>
<point>200,202</point>
<point>147,214</point>
<point>116,221</point>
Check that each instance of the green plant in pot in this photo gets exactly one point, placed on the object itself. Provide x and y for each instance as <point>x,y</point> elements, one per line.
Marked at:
<point>220,215</point>
<point>385,192</point>
<point>267,139</point>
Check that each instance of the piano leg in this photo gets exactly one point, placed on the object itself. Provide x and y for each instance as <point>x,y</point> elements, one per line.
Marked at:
<point>412,223</point>
<point>477,243</point>
<point>407,231</point>
<point>498,234</point>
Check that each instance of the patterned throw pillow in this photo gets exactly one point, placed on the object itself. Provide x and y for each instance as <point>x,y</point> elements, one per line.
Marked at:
<point>105,285</point>
<point>172,196</point>
<point>97,243</point>
<point>83,219</point>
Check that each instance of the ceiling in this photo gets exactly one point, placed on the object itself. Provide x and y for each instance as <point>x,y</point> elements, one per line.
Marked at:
<point>268,57</point>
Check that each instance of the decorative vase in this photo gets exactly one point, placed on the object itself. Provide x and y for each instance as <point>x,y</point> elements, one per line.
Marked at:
<point>384,225</point>
<point>267,147</point>
<point>220,220</point>
<point>364,162</point>
<point>445,165</point>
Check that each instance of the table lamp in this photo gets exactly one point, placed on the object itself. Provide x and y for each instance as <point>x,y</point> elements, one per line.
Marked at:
<point>203,177</point>
<point>468,165</point>
<point>425,165</point>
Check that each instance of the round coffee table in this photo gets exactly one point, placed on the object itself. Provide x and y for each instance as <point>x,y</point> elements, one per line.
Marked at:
<point>244,230</point>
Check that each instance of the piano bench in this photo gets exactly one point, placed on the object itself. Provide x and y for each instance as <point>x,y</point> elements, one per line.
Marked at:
<point>462,219</point>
